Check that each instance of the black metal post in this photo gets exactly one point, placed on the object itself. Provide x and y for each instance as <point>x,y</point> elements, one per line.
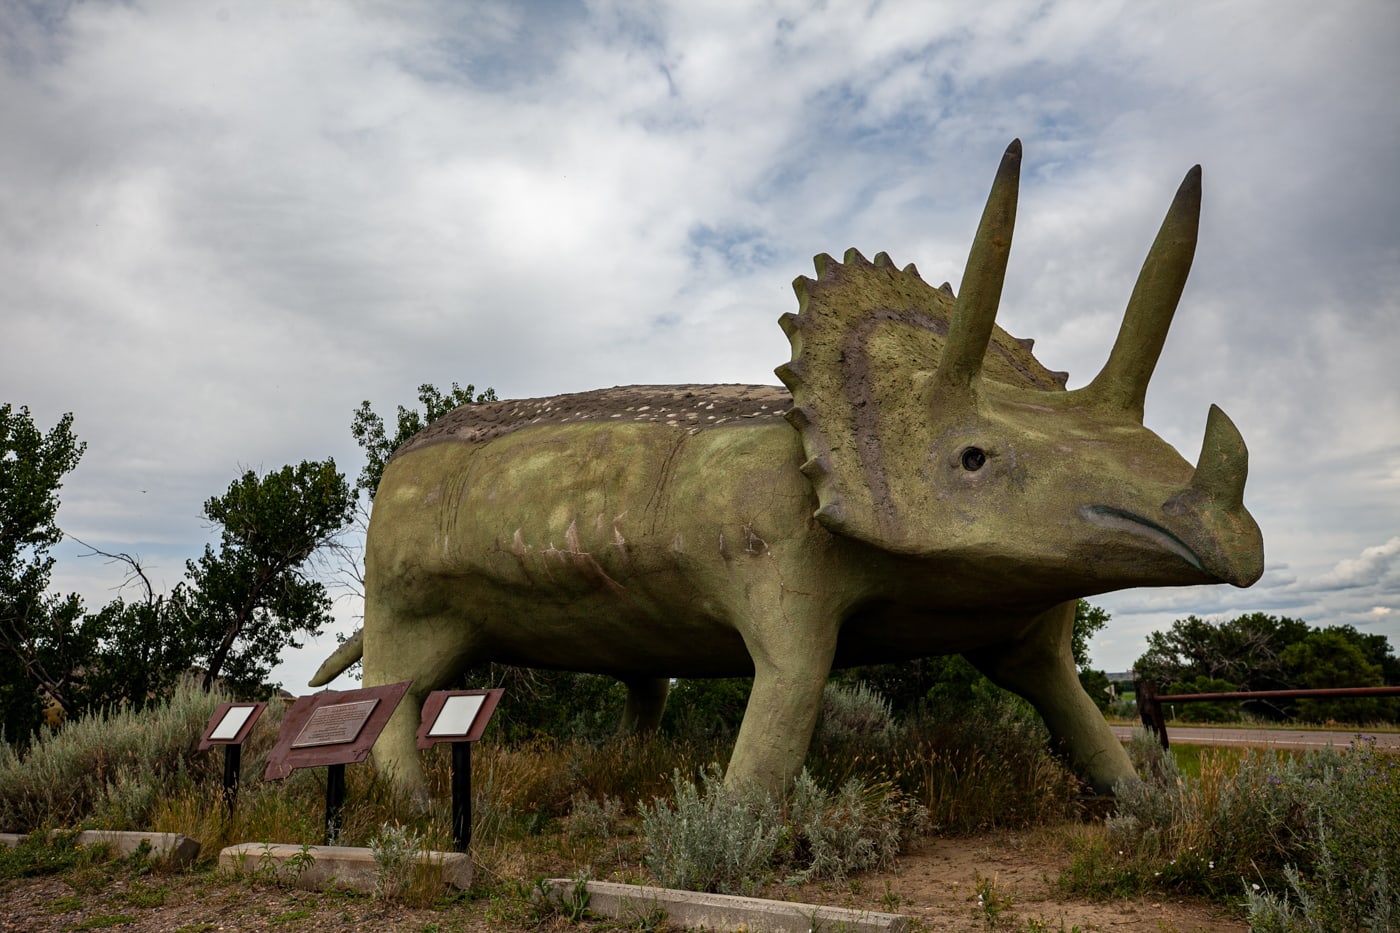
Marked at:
<point>233,761</point>
<point>462,795</point>
<point>335,800</point>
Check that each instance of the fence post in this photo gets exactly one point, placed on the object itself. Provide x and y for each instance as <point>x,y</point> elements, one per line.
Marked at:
<point>1150,709</point>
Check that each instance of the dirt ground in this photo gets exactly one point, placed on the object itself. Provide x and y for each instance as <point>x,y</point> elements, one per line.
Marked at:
<point>939,880</point>
<point>937,884</point>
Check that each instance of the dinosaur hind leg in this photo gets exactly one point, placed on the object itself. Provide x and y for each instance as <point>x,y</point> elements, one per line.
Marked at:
<point>1040,667</point>
<point>646,701</point>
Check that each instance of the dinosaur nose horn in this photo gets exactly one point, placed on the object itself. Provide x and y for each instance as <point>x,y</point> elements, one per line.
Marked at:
<point>1122,383</point>
<point>1224,463</point>
<point>975,311</point>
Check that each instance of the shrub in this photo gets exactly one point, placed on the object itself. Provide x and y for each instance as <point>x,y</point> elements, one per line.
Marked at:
<point>395,849</point>
<point>714,838</point>
<point>858,828</point>
<point>1347,872</point>
<point>107,769</point>
<point>1314,839</point>
<point>594,819</point>
<point>710,837</point>
<point>855,715</point>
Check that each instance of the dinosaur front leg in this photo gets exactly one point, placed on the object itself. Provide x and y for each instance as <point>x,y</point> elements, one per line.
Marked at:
<point>1040,667</point>
<point>430,652</point>
<point>791,667</point>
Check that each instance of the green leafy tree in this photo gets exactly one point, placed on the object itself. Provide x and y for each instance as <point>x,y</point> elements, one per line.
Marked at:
<point>1263,652</point>
<point>369,432</point>
<point>32,466</point>
<point>1207,711</point>
<point>1088,621</point>
<point>253,597</point>
<point>1247,650</point>
<point>141,647</point>
<point>1335,657</point>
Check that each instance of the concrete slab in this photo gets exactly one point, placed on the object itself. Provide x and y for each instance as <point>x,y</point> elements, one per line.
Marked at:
<point>179,850</point>
<point>315,867</point>
<point>692,909</point>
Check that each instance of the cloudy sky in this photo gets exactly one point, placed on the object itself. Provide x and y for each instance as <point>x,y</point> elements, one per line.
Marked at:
<point>222,227</point>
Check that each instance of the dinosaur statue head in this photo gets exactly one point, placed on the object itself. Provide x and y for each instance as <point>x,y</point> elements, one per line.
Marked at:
<point>930,431</point>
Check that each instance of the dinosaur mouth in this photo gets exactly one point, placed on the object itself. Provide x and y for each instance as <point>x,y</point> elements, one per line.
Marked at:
<point>1121,520</point>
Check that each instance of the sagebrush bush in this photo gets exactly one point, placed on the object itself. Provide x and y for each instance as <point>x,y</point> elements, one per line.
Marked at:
<point>857,828</point>
<point>853,716</point>
<point>589,818</point>
<point>710,837</point>
<point>1313,839</point>
<point>108,769</point>
<point>1346,874</point>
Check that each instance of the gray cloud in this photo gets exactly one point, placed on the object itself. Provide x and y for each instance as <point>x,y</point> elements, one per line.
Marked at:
<point>220,230</point>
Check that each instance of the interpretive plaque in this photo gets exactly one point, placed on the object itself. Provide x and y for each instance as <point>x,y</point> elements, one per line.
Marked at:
<point>230,724</point>
<point>334,725</point>
<point>456,715</point>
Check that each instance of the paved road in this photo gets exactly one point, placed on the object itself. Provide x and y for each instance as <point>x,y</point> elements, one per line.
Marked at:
<point>1277,738</point>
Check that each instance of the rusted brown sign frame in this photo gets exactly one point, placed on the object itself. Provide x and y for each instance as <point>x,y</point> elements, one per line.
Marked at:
<point>283,759</point>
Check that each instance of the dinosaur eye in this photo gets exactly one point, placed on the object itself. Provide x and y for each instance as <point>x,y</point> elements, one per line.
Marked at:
<point>973,459</point>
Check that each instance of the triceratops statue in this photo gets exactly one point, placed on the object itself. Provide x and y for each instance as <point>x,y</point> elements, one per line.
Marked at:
<point>924,487</point>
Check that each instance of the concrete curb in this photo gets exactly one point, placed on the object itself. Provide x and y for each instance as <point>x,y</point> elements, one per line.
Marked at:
<point>627,902</point>
<point>179,850</point>
<point>339,866</point>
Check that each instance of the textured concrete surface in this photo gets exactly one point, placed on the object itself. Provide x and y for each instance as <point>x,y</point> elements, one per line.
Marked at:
<point>693,909</point>
<point>339,866</point>
<point>180,850</point>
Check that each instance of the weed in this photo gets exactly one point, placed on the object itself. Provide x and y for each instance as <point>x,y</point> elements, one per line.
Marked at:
<point>992,900</point>
<point>43,853</point>
<point>65,904</point>
<point>396,850</point>
<point>144,895</point>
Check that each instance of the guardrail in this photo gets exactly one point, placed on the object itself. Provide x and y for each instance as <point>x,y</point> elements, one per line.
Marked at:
<point>1149,701</point>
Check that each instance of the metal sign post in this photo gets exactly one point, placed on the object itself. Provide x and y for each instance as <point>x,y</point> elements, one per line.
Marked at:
<point>459,717</point>
<point>331,729</point>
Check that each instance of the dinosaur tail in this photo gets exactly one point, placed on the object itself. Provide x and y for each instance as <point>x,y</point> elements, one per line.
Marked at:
<point>344,656</point>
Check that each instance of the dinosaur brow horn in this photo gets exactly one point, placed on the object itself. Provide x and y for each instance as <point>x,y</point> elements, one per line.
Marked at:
<point>975,311</point>
<point>1122,383</point>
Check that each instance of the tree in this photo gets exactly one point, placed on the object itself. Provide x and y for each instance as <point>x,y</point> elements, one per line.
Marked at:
<point>32,467</point>
<point>1263,652</point>
<point>1247,650</point>
<point>140,647</point>
<point>252,597</point>
<point>368,428</point>
<point>1333,657</point>
<point>1088,620</point>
